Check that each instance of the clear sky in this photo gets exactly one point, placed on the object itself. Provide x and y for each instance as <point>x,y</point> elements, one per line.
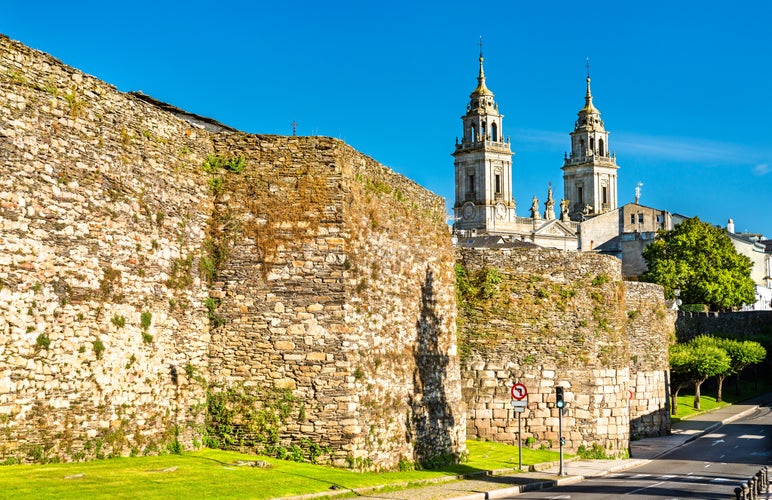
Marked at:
<point>684,87</point>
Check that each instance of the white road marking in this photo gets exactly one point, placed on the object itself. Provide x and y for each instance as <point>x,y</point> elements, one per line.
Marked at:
<point>645,487</point>
<point>718,441</point>
<point>640,476</point>
<point>750,436</point>
<point>719,480</point>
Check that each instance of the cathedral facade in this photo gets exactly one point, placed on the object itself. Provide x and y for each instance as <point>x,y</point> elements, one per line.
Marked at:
<point>484,204</point>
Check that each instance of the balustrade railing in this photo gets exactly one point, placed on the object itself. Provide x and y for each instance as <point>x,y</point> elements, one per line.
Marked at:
<point>488,144</point>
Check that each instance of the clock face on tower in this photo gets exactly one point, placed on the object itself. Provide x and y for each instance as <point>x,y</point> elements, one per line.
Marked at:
<point>501,211</point>
<point>468,210</point>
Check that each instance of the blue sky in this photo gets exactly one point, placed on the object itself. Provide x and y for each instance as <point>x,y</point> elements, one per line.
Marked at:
<point>684,87</point>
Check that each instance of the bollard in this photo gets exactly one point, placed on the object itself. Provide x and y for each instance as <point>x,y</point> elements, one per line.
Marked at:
<point>759,485</point>
<point>765,478</point>
<point>738,494</point>
<point>746,493</point>
<point>752,488</point>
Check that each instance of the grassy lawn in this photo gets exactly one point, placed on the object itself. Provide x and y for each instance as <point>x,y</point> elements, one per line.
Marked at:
<point>214,474</point>
<point>748,389</point>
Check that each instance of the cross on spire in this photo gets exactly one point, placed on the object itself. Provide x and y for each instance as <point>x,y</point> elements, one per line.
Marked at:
<point>588,67</point>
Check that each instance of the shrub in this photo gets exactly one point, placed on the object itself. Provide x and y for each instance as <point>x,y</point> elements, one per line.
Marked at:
<point>42,341</point>
<point>597,452</point>
<point>119,321</point>
<point>235,164</point>
<point>99,348</point>
<point>145,319</point>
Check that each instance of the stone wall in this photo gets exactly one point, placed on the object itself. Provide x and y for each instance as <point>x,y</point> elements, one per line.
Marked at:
<point>650,331</point>
<point>124,238</point>
<point>323,292</point>
<point>746,323</point>
<point>99,205</point>
<point>543,318</point>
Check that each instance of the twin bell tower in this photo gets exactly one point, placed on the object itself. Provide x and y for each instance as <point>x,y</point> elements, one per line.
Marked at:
<point>483,167</point>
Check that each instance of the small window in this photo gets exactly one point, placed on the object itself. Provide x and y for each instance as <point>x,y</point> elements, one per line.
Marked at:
<point>604,195</point>
<point>579,196</point>
<point>498,184</point>
<point>640,218</point>
<point>632,218</point>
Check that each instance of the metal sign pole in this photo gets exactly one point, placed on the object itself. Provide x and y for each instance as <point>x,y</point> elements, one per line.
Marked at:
<point>561,472</point>
<point>519,443</point>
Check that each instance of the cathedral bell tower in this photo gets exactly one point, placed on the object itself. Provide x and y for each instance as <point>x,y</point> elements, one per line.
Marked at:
<point>590,172</point>
<point>483,164</point>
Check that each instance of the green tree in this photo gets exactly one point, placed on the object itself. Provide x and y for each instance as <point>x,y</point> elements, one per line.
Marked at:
<point>700,260</point>
<point>709,360</point>
<point>742,354</point>
<point>681,363</point>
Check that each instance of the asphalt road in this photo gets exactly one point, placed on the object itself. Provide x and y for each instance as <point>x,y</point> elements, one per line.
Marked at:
<point>710,467</point>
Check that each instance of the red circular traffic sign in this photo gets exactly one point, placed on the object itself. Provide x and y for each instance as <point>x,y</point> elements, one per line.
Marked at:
<point>519,392</point>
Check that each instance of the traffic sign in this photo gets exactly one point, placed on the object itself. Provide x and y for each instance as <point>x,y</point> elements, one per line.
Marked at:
<point>519,409</point>
<point>519,404</point>
<point>519,392</point>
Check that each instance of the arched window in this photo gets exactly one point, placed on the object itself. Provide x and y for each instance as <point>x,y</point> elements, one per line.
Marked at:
<point>592,144</point>
<point>474,133</point>
<point>600,148</point>
<point>483,136</point>
<point>494,132</point>
<point>581,147</point>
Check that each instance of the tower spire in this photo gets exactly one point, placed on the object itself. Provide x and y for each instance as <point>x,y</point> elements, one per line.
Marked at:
<point>590,172</point>
<point>481,88</point>
<point>589,107</point>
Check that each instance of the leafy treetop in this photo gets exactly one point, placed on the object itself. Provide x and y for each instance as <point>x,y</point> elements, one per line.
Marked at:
<point>700,260</point>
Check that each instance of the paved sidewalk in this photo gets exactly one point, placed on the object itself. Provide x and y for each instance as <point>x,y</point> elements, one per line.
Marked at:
<point>498,484</point>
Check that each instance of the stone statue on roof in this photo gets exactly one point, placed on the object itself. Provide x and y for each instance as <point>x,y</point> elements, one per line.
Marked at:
<point>549,205</point>
<point>535,209</point>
